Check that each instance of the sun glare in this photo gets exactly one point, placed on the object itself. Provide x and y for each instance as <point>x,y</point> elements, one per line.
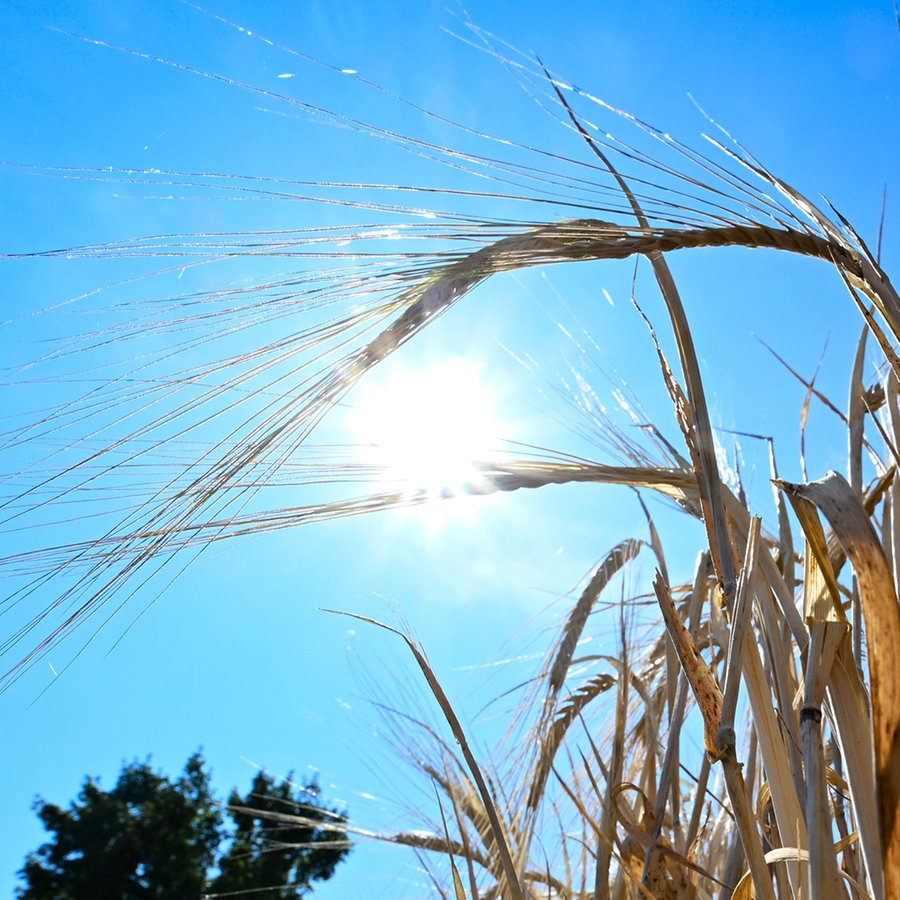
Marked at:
<point>429,427</point>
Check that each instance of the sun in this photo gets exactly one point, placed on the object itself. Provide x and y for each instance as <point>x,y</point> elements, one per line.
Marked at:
<point>427,429</point>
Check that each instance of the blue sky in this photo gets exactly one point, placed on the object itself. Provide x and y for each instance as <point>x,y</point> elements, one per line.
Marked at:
<point>236,656</point>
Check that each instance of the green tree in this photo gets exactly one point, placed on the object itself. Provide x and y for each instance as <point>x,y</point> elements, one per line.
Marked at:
<point>274,856</point>
<point>150,837</point>
<point>147,837</point>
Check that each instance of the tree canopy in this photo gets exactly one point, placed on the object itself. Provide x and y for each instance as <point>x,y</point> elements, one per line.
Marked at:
<point>152,837</point>
<point>281,837</point>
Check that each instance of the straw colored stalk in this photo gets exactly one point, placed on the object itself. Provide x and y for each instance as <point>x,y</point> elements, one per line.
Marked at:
<point>592,239</point>
<point>852,527</point>
<point>510,882</point>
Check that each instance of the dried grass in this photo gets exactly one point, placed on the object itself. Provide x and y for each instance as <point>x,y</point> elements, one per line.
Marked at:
<point>606,795</point>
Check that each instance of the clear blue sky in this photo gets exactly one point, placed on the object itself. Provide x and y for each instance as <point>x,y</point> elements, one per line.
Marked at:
<point>235,657</point>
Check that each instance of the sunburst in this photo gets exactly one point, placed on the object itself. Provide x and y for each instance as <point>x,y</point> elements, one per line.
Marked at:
<point>428,429</point>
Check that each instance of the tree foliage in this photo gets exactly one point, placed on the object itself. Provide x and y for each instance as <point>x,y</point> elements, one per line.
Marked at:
<point>282,840</point>
<point>151,837</point>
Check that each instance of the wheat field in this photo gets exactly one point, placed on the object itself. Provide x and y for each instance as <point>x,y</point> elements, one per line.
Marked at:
<point>737,733</point>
